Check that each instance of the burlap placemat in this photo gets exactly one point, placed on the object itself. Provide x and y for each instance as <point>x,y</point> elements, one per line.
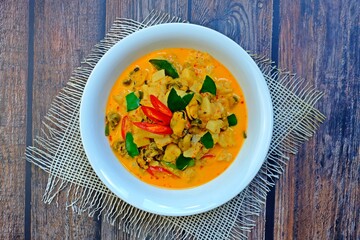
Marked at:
<point>59,152</point>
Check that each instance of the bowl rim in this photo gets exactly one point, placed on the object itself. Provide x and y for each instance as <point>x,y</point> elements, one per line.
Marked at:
<point>168,211</point>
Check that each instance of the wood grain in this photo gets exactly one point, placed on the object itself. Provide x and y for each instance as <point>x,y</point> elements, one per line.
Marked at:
<point>13,76</point>
<point>65,31</point>
<point>318,197</point>
<point>249,24</point>
<point>138,10</point>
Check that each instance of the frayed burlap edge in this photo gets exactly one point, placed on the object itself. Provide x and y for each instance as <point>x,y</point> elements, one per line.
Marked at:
<point>59,152</point>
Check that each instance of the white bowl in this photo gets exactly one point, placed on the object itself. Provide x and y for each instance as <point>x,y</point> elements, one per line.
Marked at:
<point>188,201</point>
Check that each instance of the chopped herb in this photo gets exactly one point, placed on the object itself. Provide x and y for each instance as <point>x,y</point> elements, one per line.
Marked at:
<point>183,162</point>
<point>177,103</point>
<point>126,82</point>
<point>244,134</point>
<point>167,66</point>
<point>113,119</point>
<point>207,140</point>
<point>130,146</point>
<point>208,86</point>
<point>236,98</point>
<point>196,122</point>
<point>141,94</point>
<point>107,130</point>
<point>232,120</point>
<point>136,69</point>
<point>132,101</point>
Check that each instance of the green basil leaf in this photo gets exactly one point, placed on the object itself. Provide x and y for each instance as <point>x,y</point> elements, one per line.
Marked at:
<point>207,140</point>
<point>169,164</point>
<point>183,162</point>
<point>130,146</point>
<point>107,130</point>
<point>187,98</point>
<point>208,86</point>
<point>177,103</point>
<point>167,66</point>
<point>191,163</point>
<point>132,101</point>
<point>174,101</point>
<point>232,120</point>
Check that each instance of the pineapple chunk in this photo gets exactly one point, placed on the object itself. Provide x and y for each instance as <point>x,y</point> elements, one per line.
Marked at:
<point>218,111</point>
<point>223,86</point>
<point>226,138</point>
<point>178,123</point>
<point>224,156</point>
<point>140,133</point>
<point>196,86</point>
<point>205,108</point>
<point>162,141</point>
<point>158,75</point>
<point>214,126</point>
<point>139,77</point>
<point>185,143</point>
<point>193,151</point>
<point>215,137</point>
<point>120,98</point>
<point>188,75</point>
<point>172,152</point>
<point>140,142</point>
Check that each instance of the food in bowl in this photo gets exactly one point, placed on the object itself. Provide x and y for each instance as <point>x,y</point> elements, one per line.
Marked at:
<point>162,200</point>
<point>176,118</point>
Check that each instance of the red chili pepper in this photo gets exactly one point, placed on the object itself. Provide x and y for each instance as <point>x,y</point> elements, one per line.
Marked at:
<point>208,156</point>
<point>124,122</point>
<point>158,105</point>
<point>156,116</point>
<point>154,128</point>
<point>150,172</point>
<point>152,169</point>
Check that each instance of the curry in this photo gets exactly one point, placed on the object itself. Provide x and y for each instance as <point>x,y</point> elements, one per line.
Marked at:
<point>176,118</point>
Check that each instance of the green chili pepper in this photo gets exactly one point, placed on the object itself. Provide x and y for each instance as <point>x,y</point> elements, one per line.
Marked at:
<point>130,146</point>
<point>207,140</point>
<point>183,162</point>
<point>132,101</point>
<point>208,86</point>
<point>232,120</point>
<point>177,103</point>
<point>169,164</point>
<point>167,66</point>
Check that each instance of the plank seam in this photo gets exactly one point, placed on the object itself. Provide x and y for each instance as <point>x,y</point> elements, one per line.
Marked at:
<point>29,100</point>
<point>270,197</point>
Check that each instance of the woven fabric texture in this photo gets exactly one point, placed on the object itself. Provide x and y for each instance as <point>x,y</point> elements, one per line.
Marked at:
<point>59,152</point>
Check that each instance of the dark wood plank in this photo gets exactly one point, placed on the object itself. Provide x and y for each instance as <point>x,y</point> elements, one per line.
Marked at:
<point>247,23</point>
<point>65,31</point>
<point>13,76</point>
<point>318,197</point>
<point>137,10</point>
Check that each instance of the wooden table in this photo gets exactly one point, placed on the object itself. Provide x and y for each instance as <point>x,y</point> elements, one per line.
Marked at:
<point>318,196</point>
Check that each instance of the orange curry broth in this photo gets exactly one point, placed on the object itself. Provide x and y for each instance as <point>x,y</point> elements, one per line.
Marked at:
<point>207,168</point>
